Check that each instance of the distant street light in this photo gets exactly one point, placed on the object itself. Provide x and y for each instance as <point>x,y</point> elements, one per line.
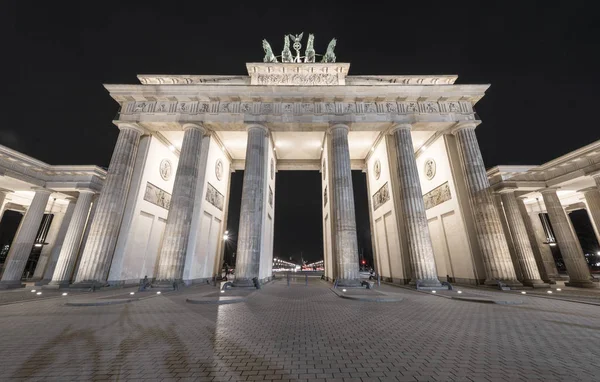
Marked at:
<point>225,237</point>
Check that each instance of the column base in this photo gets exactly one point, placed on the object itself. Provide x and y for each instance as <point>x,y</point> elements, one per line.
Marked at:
<point>166,285</point>
<point>56,285</point>
<point>88,285</point>
<point>12,284</point>
<point>582,284</point>
<point>432,284</point>
<point>245,283</point>
<point>509,283</point>
<point>350,283</point>
<point>42,282</point>
<point>535,283</point>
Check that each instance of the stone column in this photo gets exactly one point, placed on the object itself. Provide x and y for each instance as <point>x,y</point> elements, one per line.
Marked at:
<point>3,193</point>
<point>523,251</point>
<point>52,257</point>
<point>577,268</point>
<point>592,199</point>
<point>344,218</point>
<point>22,244</point>
<point>179,220</point>
<point>61,277</point>
<point>104,230</point>
<point>247,262</point>
<point>420,248</point>
<point>541,252</point>
<point>496,256</point>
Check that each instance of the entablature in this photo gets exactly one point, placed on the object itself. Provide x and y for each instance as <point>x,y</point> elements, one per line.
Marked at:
<point>19,166</point>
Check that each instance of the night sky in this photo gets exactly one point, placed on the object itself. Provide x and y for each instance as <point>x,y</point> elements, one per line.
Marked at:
<point>541,60</point>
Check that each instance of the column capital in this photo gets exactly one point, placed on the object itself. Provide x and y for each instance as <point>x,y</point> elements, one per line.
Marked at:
<point>251,126</point>
<point>335,126</point>
<point>130,126</point>
<point>507,190</point>
<point>548,190</point>
<point>588,189</point>
<point>196,126</point>
<point>463,125</point>
<point>400,126</point>
<point>594,174</point>
<point>42,190</point>
<point>5,190</point>
<point>85,191</point>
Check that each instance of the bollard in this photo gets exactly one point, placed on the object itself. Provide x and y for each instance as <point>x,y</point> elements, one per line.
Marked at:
<point>306,279</point>
<point>288,279</point>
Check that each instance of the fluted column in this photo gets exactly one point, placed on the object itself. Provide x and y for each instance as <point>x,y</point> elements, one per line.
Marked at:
<point>177,231</point>
<point>541,252</point>
<point>61,277</point>
<point>496,256</point>
<point>104,230</point>
<point>577,268</point>
<point>247,260</point>
<point>420,248</point>
<point>45,273</point>
<point>344,217</point>
<point>22,244</point>
<point>523,250</point>
<point>592,199</point>
<point>3,193</point>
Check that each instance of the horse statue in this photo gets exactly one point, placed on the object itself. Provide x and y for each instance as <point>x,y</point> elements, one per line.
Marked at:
<point>310,49</point>
<point>329,56</point>
<point>286,54</point>
<point>269,56</point>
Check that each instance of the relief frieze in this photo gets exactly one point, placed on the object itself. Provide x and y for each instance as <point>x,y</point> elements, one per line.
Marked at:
<point>157,196</point>
<point>437,196</point>
<point>298,108</point>
<point>381,196</point>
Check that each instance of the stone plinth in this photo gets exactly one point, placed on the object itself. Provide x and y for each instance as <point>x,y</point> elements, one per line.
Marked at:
<point>306,74</point>
<point>104,230</point>
<point>570,249</point>
<point>492,242</point>
<point>247,261</point>
<point>22,244</point>
<point>413,210</point>
<point>177,231</point>
<point>344,220</point>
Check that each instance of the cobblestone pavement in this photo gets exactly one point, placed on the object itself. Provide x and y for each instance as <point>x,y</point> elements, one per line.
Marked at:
<point>301,333</point>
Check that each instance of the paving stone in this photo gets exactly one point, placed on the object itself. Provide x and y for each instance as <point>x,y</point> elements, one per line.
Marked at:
<point>300,333</point>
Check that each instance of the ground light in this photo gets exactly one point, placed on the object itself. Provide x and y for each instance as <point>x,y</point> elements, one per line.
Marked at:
<point>65,293</point>
<point>433,291</point>
<point>459,292</point>
<point>158,292</point>
<point>131,292</point>
<point>39,293</point>
<point>33,291</point>
<point>343,290</point>
<point>549,292</point>
<point>222,291</point>
<point>523,292</point>
<point>558,289</point>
